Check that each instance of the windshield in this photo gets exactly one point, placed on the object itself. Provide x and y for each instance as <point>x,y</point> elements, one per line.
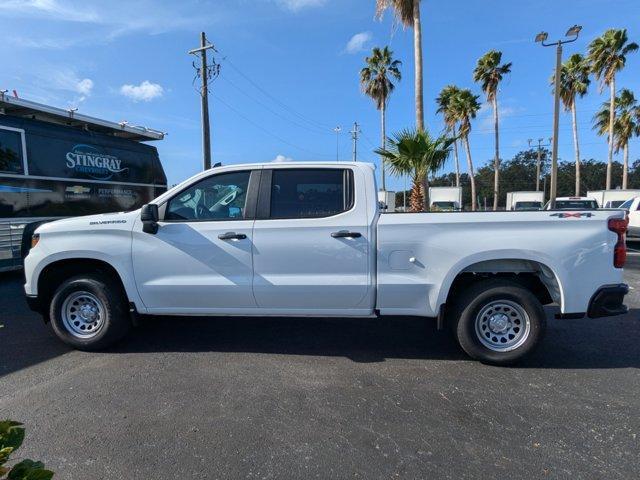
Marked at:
<point>627,205</point>
<point>443,206</point>
<point>576,205</point>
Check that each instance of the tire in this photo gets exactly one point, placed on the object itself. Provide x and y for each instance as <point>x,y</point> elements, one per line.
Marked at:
<point>498,322</point>
<point>89,312</point>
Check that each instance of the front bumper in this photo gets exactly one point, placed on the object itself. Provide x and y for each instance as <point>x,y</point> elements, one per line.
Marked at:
<point>34,303</point>
<point>607,301</point>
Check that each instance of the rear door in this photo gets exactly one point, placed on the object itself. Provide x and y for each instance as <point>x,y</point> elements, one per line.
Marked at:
<point>311,243</point>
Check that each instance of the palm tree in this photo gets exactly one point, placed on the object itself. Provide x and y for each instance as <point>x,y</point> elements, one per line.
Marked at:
<point>465,106</point>
<point>574,81</point>
<point>450,121</point>
<point>489,72</point>
<point>607,56</point>
<point>626,126</point>
<point>407,12</point>
<point>416,153</point>
<point>375,80</point>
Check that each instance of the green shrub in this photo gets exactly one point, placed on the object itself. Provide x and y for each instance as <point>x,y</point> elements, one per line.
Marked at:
<point>11,437</point>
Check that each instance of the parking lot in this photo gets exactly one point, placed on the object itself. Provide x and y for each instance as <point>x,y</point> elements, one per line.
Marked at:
<point>312,398</point>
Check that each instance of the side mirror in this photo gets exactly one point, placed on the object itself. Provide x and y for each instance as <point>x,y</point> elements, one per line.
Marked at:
<point>149,216</point>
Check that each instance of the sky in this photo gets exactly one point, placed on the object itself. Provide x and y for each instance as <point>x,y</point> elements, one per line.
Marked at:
<point>289,71</point>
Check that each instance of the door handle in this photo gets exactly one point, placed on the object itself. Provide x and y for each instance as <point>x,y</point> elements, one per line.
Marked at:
<point>232,236</point>
<point>346,234</point>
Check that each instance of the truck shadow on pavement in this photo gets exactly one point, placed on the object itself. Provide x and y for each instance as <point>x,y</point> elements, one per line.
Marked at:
<point>585,343</point>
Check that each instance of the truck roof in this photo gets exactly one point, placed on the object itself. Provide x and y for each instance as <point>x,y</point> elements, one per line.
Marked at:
<point>19,107</point>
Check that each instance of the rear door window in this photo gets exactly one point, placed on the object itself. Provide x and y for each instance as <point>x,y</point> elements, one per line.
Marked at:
<point>310,193</point>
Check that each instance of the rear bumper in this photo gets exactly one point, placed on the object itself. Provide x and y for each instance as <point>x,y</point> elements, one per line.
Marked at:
<point>608,301</point>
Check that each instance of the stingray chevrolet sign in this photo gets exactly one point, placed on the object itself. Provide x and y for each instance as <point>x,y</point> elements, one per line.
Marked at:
<point>92,162</point>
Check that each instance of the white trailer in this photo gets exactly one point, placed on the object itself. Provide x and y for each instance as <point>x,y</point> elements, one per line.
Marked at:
<point>445,199</point>
<point>525,200</point>
<point>612,198</point>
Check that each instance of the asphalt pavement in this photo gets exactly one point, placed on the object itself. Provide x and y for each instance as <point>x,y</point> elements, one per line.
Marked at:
<point>322,398</point>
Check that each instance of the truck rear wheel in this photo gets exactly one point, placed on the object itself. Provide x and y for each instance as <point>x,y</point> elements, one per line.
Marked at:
<point>498,322</point>
<point>89,312</point>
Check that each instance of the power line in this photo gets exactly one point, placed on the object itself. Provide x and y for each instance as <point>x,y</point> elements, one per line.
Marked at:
<point>260,127</point>
<point>315,130</point>
<point>276,100</point>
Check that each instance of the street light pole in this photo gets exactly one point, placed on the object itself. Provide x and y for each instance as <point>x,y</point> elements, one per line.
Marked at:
<point>338,129</point>
<point>542,37</point>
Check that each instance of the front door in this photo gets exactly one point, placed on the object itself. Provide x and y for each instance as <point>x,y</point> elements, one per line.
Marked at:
<point>311,244</point>
<point>200,260</point>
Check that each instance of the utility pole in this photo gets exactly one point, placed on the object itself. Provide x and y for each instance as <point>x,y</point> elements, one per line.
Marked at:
<point>338,129</point>
<point>542,37</point>
<point>205,72</point>
<point>539,162</point>
<point>354,136</point>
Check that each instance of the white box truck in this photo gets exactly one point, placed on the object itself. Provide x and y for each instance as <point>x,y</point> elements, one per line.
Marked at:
<point>525,200</point>
<point>612,198</point>
<point>445,199</point>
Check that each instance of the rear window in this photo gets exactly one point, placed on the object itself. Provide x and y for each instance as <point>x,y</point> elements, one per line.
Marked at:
<point>576,205</point>
<point>11,160</point>
<point>528,206</point>
<point>310,193</point>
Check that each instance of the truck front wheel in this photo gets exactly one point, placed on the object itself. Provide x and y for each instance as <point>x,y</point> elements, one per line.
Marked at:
<point>89,312</point>
<point>498,322</point>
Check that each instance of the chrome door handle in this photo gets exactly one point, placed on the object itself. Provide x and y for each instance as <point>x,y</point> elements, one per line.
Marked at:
<point>232,236</point>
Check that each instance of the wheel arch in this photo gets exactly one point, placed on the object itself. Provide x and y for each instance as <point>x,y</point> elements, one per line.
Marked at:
<point>530,270</point>
<point>56,272</point>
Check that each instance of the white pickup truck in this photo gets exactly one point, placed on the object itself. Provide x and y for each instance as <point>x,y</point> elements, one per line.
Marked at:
<point>308,239</point>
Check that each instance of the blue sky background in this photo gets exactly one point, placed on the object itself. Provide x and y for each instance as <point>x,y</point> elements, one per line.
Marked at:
<point>288,75</point>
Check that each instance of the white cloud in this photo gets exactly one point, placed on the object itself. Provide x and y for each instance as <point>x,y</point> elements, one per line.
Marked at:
<point>144,92</point>
<point>358,42</point>
<point>84,86</point>
<point>297,5</point>
<point>47,8</point>
<point>486,114</point>
<point>282,158</point>
<point>104,21</point>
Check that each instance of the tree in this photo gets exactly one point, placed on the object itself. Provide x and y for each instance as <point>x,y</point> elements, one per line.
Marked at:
<point>489,72</point>
<point>574,82</point>
<point>450,120</point>
<point>375,81</point>
<point>407,12</point>
<point>416,153</point>
<point>465,106</point>
<point>625,127</point>
<point>607,56</point>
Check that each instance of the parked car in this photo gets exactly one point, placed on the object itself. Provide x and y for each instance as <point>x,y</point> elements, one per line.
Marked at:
<point>309,240</point>
<point>612,198</point>
<point>573,203</point>
<point>632,206</point>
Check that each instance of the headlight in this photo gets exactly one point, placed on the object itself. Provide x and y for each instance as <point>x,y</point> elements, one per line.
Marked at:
<point>35,238</point>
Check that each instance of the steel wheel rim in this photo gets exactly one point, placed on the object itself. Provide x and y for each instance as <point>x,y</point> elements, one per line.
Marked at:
<point>83,314</point>
<point>502,325</point>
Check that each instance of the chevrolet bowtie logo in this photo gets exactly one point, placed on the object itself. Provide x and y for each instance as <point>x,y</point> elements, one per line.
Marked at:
<point>77,189</point>
<point>572,214</point>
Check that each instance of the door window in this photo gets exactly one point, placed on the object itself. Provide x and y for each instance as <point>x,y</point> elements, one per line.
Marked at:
<point>11,160</point>
<point>310,193</point>
<point>219,197</point>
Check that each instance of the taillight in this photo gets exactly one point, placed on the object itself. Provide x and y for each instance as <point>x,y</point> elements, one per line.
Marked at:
<point>619,227</point>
